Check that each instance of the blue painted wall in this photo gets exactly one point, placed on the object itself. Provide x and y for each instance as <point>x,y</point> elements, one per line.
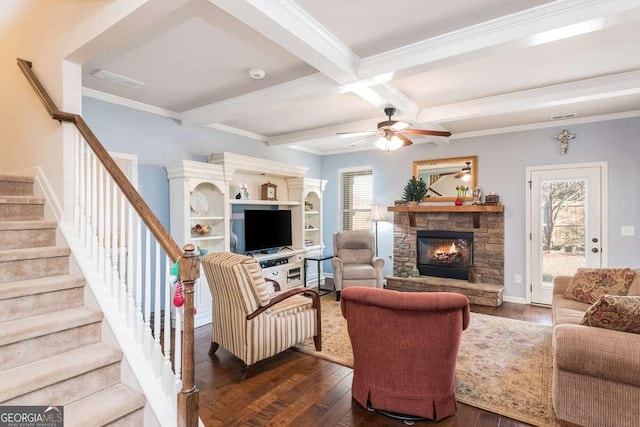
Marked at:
<point>158,140</point>
<point>502,160</point>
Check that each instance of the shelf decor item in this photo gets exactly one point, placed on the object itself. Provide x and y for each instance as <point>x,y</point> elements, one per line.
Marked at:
<point>269,191</point>
<point>462,192</point>
<point>244,191</point>
<point>491,199</point>
<point>415,190</point>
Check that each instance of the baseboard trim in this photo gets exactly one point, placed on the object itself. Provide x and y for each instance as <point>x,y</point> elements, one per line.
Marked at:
<point>517,300</point>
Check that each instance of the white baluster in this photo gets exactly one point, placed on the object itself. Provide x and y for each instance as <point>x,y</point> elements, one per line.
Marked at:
<point>76,182</point>
<point>122,250</point>
<point>89,203</point>
<point>82,176</point>
<point>130,254</point>
<point>167,373</point>
<point>101,213</point>
<point>138,281</point>
<point>107,232</point>
<point>94,210</point>
<point>157,308</point>
<point>177,352</point>
<point>148,339</point>
<point>115,244</point>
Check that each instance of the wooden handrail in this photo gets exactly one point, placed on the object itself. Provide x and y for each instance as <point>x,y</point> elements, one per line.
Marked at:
<point>189,262</point>
<point>159,232</point>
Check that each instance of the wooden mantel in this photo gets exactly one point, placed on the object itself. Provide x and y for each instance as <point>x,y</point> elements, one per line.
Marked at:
<point>476,210</point>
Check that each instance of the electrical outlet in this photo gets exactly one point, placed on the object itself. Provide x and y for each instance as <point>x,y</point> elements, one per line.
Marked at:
<point>517,278</point>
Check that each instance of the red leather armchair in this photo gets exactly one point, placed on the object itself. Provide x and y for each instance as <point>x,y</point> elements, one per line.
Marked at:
<point>405,346</point>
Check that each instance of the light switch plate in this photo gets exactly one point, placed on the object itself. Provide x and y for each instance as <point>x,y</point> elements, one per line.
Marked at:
<point>627,230</point>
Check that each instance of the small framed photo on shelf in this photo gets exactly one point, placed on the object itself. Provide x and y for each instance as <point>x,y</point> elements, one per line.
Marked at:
<point>269,191</point>
<point>243,193</point>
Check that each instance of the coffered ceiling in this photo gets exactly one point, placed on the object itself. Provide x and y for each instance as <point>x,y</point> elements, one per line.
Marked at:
<point>471,67</point>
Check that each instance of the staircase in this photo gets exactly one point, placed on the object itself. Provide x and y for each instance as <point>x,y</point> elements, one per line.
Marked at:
<point>51,349</point>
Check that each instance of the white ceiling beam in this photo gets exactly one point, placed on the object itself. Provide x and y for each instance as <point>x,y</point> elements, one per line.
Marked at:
<point>314,86</point>
<point>290,26</point>
<point>542,24</point>
<point>614,85</point>
<point>323,133</point>
<point>240,132</point>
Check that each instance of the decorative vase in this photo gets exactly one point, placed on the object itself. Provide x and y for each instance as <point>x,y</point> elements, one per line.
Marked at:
<point>458,201</point>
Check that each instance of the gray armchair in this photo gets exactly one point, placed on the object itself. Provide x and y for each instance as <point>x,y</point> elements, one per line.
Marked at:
<point>354,263</point>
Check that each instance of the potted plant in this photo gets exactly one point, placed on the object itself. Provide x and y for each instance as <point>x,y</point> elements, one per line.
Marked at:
<point>415,190</point>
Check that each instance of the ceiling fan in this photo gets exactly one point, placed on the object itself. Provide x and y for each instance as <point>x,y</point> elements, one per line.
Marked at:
<point>392,133</point>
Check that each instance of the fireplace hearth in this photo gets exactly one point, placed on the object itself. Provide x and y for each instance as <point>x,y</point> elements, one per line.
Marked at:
<point>443,253</point>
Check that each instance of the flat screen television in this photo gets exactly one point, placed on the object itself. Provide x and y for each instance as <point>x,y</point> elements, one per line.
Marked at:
<point>266,229</point>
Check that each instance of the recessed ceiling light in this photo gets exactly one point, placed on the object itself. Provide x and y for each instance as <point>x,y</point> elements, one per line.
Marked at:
<point>257,73</point>
<point>118,79</point>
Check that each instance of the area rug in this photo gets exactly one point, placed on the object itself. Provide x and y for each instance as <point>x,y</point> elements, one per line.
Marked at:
<point>504,365</point>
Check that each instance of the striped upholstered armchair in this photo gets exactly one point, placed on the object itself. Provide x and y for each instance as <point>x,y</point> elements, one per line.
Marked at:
<point>247,320</point>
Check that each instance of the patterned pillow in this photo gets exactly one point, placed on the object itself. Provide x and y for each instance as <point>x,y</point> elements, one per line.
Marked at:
<point>620,313</point>
<point>590,284</point>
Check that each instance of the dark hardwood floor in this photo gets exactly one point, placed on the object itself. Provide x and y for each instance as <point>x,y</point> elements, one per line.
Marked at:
<point>296,389</point>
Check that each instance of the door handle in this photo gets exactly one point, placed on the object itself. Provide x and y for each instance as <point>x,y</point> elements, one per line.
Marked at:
<point>594,250</point>
<point>594,240</point>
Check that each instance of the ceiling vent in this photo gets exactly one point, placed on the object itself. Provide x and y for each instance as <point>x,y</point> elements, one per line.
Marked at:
<point>564,116</point>
<point>118,79</point>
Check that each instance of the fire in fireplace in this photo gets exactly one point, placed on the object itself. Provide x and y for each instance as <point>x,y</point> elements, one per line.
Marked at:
<point>444,253</point>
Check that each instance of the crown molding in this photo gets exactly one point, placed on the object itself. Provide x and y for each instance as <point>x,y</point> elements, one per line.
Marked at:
<point>579,91</point>
<point>549,124</point>
<point>511,31</point>
<point>96,94</point>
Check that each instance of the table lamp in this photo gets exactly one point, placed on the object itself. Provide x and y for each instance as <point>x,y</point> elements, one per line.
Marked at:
<point>377,214</point>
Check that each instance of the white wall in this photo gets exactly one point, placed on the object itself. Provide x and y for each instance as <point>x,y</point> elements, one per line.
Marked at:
<point>502,160</point>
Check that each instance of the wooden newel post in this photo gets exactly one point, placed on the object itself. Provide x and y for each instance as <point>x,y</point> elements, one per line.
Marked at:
<point>188,396</point>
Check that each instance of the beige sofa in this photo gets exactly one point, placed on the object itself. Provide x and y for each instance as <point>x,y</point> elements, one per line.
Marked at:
<point>596,372</point>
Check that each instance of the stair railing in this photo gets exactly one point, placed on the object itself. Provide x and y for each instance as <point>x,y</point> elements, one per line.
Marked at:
<point>127,255</point>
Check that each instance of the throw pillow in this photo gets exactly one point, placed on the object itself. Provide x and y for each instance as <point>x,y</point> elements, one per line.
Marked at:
<point>620,313</point>
<point>587,285</point>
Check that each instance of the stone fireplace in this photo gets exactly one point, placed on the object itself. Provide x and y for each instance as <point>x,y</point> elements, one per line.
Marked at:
<point>487,242</point>
<point>444,253</point>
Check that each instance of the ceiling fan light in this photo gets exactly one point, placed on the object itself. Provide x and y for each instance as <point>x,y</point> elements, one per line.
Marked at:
<point>390,144</point>
<point>466,177</point>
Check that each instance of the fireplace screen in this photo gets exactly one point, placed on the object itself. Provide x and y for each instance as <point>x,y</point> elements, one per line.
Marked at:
<point>445,253</point>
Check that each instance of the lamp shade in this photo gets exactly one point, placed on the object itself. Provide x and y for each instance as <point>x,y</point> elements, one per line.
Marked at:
<point>377,214</point>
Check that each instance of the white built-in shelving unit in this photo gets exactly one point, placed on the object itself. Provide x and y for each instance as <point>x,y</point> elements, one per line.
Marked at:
<point>218,181</point>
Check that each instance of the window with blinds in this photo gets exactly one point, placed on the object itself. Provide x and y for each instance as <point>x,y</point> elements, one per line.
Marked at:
<point>356,198</point>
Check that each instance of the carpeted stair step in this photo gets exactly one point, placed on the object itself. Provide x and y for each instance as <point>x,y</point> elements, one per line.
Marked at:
<point>63,378</point>
<point>27,234</point>
<point>38,296</point>
<point>21,208</point>
<point>118,404</point>
<point>31,263</point>
<point>16,185</point>
<point>37,337</point>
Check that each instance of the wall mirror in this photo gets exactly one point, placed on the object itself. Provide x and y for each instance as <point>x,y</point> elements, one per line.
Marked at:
<point>444,175</point>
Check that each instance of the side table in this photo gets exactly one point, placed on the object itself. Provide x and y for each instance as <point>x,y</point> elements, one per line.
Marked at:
<point>318,259</point>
